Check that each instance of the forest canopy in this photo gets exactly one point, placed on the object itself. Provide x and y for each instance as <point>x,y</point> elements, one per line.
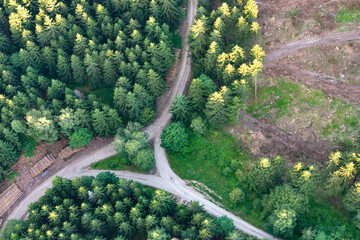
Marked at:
<point>107,207</point>
<point>50,48</point>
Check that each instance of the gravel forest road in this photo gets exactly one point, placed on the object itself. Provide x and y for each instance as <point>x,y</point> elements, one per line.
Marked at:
<point>165,178</point>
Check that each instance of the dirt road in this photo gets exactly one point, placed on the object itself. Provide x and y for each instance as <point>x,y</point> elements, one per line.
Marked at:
<point>295,45</point>
<point>165,179</point>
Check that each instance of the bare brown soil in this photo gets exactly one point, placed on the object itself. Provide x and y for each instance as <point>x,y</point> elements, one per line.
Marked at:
<point>267,140</point>
<point>339,61</point>
<point>283,20</point>
<point>23,165</point>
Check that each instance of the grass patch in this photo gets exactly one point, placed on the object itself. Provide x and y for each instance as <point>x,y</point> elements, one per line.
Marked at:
<point>28,145</point>
<point>297,106</point>
<point>348,16</point>
<point>116,162</point>
<point>12,175</point>
<point>205,161</point>
<point>294,12</point>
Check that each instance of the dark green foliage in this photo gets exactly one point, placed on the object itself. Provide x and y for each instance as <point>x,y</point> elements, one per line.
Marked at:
<point>48,49</point>
<point>56,90</point>
<point>80,138</point>
<point>64,68</point>
<point>155,83</point>
<point>224,226</point>
<point>200,89</point>
<point>266,174</point>
<point>105,121</point>
<point>14,229</point>
<point>175,138</point>
<point>169,10</point>
<point>8,155</point>
<point>352,199</point>
<point>78,70</point>
<point>181,109</point>
<point>285,196</point>
<point>107,207</point>
<point>100,123</point>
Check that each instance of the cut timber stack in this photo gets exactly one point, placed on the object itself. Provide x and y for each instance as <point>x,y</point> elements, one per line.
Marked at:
<point>41,165</point>
<point>8,198</point>
<point>67,152</point>
<point>179,200</point>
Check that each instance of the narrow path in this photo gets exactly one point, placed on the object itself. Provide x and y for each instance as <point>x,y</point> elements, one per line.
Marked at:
<point>295,45</point>
<point>330,86</point>
<point>166,179</point>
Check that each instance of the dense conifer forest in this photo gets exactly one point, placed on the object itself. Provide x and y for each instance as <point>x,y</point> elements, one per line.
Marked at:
<point>106,207</point>
<point>49,48</point>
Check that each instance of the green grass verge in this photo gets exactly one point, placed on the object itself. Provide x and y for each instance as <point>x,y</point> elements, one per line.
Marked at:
<point>205,161</point>
<point>117,162</point>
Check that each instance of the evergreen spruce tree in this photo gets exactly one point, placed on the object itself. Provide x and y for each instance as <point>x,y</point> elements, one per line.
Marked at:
<point>100,123</point>
<point>64,68</point>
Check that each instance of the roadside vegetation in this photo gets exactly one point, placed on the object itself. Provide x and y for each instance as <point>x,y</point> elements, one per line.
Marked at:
<point>245,186</point>
<point>117,162</point>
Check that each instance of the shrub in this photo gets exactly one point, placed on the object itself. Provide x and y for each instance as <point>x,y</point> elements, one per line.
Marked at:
<point>175,138</point>
<point>80,138</point>
<point>145,159</point>
<point>227,171</point>
<point>198,125</point>
<point>237,196</point>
